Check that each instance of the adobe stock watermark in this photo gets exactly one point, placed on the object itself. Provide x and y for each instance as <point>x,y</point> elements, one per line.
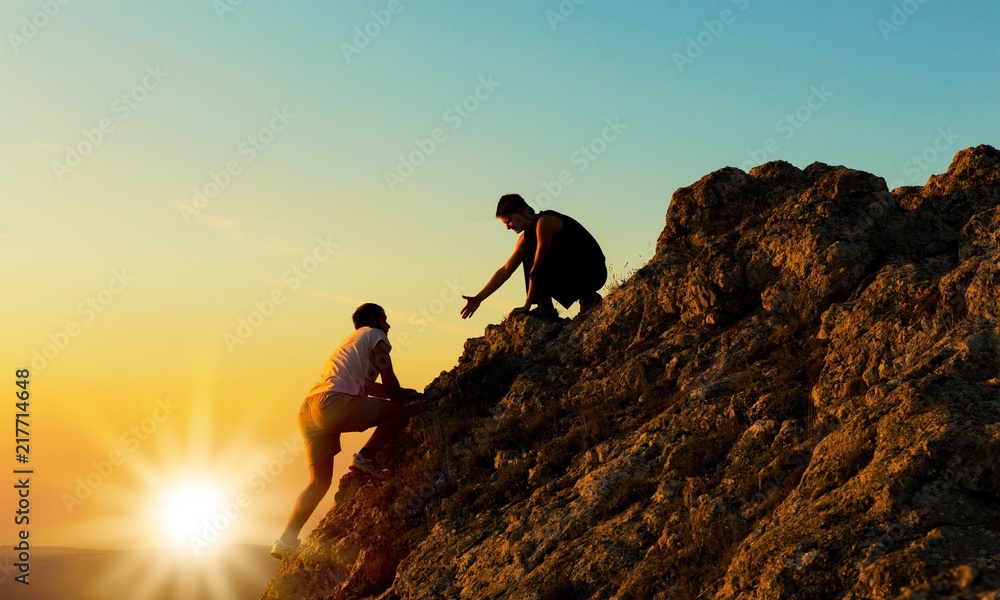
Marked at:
<point>33,25</point>
<point>454,116</point>
<point>128,442</point>
<point>711,31</point>
<point>900,16</point>
<point>582,158</point>
<point>788,125</point>
<point>88,310</point>
<point>562,13</point>
<point>364,34</point>
<point>427,315</point>
<point>211,529</point>
<point>919,165</point>
<point>292,279</point>
<point>122,107</point>
<point>415,497</point>
<point>224,7</point>
<point>247,150</point>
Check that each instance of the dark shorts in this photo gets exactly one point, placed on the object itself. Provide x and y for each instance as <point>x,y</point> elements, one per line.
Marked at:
<point>569,283</point>
<point>323,417</point>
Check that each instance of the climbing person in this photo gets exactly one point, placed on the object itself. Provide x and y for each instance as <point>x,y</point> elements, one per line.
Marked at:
<point>560,259</point>
<point>346,397</point>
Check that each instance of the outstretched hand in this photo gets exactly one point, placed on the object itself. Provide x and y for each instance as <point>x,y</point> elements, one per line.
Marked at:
<point>471,305</point>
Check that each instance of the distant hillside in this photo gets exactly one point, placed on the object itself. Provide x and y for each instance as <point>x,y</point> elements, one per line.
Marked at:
<point>797,397</point>
<point>227,573</point>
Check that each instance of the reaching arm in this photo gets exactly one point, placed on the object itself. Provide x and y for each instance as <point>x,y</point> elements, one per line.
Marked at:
<point>499,278</point>
<point>389,387</point>
<point>547,227</point>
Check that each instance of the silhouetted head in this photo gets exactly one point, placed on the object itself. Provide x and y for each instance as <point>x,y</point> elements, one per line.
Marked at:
<point>370,315</point>
<point>515,212</point>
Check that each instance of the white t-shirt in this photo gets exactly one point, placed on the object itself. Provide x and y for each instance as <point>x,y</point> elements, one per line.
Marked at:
<point>351,366</point>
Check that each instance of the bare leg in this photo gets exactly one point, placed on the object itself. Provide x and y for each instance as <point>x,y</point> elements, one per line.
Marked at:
<point>320,476</point>
<point>396,416</point>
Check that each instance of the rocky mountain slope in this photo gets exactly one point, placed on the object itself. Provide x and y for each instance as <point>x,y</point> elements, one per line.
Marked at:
<point>797,397</point>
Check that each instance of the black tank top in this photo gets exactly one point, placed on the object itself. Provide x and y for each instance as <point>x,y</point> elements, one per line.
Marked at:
<point>571,245</point>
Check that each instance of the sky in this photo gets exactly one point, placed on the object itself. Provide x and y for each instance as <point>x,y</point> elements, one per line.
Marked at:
<point>194,197</point>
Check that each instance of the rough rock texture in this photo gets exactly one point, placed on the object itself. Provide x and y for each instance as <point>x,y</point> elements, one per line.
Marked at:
<point>797,397</point>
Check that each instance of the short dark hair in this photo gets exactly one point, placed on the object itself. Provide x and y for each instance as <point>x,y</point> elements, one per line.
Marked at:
<point>509,203</point>
<point>365,313</point>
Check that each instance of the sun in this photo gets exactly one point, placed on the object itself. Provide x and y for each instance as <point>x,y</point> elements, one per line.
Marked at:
<point>187,508</point>
<point>211,495</point>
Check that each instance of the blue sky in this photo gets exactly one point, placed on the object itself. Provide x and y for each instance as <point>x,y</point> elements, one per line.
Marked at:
<point>890,92</point>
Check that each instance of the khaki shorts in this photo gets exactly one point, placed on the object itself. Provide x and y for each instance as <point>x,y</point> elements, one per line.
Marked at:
<point>324,417</point>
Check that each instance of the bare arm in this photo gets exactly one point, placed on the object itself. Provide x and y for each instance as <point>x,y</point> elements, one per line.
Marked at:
<point>389,387</point>
<point>546,227</point>
<point>499,278</point>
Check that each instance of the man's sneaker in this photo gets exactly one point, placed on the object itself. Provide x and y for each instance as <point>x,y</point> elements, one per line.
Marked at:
<point>280,548</point>
<point>360,464</point>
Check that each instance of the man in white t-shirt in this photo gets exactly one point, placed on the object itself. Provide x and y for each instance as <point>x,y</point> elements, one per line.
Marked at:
<point>346,397</point>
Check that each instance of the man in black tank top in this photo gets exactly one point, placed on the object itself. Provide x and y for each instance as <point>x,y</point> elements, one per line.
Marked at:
<point>560,259</point>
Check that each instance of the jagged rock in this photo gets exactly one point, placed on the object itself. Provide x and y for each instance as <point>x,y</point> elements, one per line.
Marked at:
<point>797,397</point>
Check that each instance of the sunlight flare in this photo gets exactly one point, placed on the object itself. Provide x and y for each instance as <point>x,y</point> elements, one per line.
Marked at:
<point>186,508</point>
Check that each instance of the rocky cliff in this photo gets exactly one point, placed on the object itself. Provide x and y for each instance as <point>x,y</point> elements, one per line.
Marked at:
<point>797,397</point>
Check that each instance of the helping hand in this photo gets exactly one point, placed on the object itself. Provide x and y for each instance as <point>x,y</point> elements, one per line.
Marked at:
<point>471,305</point>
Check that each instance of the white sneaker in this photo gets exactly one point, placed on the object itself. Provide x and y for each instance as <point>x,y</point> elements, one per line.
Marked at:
<point>280,548</point>
<point>360,464</point>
